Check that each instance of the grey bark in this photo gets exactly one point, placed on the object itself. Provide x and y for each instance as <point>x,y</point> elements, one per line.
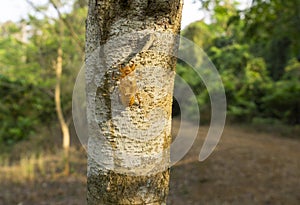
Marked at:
<point>126,164</point>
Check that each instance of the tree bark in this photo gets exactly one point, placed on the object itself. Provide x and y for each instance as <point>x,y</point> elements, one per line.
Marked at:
<point>129,143</point>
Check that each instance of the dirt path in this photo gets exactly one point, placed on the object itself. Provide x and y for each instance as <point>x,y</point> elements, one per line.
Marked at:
<point>246,168</point>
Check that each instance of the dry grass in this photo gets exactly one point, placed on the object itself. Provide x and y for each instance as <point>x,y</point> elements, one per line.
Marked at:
<point>40,179</point>
<point>32,167</point>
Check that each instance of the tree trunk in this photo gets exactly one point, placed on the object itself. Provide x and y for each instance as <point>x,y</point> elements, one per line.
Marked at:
<point>62,122</point>
<point>129,82</point>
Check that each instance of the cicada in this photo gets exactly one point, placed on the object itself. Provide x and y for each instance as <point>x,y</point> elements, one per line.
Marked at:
<point>128,85</point>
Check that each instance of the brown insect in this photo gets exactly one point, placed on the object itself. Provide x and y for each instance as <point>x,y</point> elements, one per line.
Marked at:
<point>128,85</point>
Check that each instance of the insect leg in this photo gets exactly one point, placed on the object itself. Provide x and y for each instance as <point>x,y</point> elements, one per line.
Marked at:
<point>131,102</point>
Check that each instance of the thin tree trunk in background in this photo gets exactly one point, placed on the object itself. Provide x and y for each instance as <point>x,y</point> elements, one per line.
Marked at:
<point>62,122</point>
<point>126,164</point>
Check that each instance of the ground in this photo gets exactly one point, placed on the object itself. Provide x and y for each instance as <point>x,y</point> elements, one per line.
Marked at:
<point>247,167</point>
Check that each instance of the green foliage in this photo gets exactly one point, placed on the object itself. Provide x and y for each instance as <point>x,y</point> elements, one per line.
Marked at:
<point>255,52</point>
<point>22,107</point>
<point>273,28</point>
<point>27,77</point>
<point>284,101</point>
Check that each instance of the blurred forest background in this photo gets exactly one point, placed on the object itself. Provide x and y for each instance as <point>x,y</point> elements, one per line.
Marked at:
<point>256,51</point>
